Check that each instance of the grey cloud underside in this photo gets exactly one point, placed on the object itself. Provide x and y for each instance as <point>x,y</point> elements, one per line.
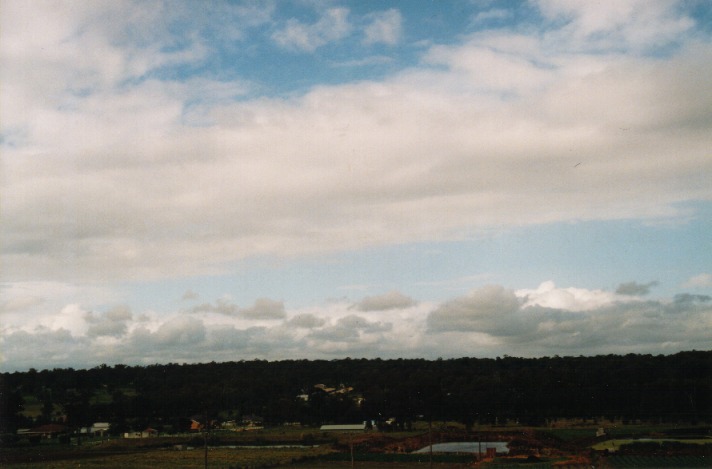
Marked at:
<point>264,308</point>
<point>386,301</point>
<point>634,288</point>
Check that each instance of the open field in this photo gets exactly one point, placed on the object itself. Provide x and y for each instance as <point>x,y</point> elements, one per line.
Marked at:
<point>171,458</point>
<point>615,445</point>
<point>309,448</point>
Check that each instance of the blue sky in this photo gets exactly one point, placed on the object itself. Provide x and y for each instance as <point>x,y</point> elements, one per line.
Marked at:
<point>193,181</point>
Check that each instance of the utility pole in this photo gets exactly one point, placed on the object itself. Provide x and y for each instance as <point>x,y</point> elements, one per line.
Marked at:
<point>430,439</point>
<point>205,435</point>
<point>351,445</point>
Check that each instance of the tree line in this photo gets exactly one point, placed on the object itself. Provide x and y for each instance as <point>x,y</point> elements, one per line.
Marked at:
<point>665,388</point>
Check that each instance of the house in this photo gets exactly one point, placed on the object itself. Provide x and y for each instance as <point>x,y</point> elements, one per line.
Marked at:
<point>51,430</point>
<point>358,427</point>
<point>196,424</point>
<point>98,429</point>
<point>251,422</point>
<point>147,433</point>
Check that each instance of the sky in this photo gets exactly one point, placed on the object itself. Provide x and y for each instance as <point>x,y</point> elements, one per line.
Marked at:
<point>193,181</point>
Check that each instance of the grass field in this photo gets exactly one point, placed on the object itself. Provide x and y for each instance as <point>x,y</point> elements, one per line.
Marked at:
<point>331,450</point>
<point>219,458</point>
<point>615,445</point>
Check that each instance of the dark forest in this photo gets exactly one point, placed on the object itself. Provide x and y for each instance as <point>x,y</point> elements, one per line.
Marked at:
<point>662,388</point>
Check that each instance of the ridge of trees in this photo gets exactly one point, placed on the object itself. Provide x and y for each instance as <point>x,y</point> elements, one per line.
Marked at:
<point>666,388</point>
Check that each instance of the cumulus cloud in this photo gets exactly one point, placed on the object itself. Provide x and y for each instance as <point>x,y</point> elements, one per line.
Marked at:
<point>181,331</point>
<point>350,328</point>
<point>306,321</point>
<point>221,306</point>
<point>111,323</point>
<point>548,295</point>
<point>532,329</point>
<point>264,308</point>
<point>634,288</point>
<point>484,309</point>
<point>386,301</point>
<point>489,321</point>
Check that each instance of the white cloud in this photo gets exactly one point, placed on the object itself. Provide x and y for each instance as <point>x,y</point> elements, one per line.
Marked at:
<point>493,14</point>
<point>333,25</point>
<point>131,188</point>
<point>636,24</point>
<point>385,27</point>
<point>547,295</point>
<point>702,280</point>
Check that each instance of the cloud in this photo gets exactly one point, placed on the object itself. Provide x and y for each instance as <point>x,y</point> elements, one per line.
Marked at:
<point>221,306</point>
<point>548,295</point>
<point>333,25</point>
<point>494,126</point>
<point>22,350</point>
<point>366,61</point>
<point>702,280</point>
<point>190,295</point>
<point>489,321</point>
<point>637,24</point>
<point>495,14</point>
<point>306,321</point>
<point>20,303</point>
<point>264,308</point>
<point>386,301</point>
<point>385,27</point>
<point>482,310</point>
<point>350,328</point>
<point>123,162</point>
<point>178,332</point>
<point>685,300</point>
<point>111,323</point>
<point>635,289</point>
<point>531,329</point>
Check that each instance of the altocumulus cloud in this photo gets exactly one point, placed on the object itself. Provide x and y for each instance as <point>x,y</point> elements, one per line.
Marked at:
<point>471,109</point>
